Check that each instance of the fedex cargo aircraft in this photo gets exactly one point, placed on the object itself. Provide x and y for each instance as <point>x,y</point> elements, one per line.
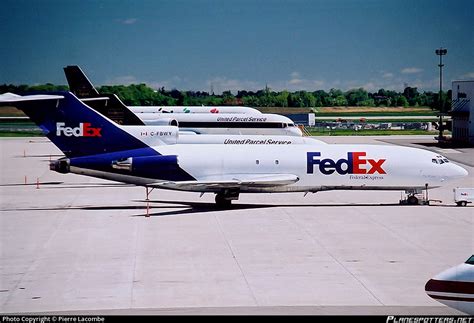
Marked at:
<point>96,146</point>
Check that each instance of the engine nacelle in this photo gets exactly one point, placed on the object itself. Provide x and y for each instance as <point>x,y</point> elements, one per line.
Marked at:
<point>62,165</point>
<point>146,164</point>
<point>152,120</point>
<point>137,162</point>
<point>140,163</point>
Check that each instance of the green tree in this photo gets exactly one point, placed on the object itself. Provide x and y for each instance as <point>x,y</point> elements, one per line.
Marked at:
<point>402,101</point>
<point>411,94</point>
<point>281,99</point>
<point>251,101</point>
<point>357,97</point>
<point>340,100</point>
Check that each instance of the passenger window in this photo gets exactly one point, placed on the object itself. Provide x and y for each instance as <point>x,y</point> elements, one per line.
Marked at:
<point>434,161</point>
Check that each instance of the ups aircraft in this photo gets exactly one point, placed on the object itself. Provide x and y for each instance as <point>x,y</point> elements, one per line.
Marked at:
<point>192,119</point>
<point>94,145</point>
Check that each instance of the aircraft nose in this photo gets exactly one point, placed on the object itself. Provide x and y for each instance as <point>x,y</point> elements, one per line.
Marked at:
<point>430,286</point>
<point>458,171</point>
<point>297,131</point>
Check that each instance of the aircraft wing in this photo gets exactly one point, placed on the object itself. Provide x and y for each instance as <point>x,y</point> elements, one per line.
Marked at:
<point>231,181</point>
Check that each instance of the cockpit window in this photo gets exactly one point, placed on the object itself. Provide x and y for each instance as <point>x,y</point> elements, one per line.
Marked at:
<point>440,160</point>
<point>470,261</point>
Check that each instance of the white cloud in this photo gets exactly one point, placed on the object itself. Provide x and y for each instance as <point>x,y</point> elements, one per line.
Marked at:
<point>220,84</point>
<point>387,75</point>
<point>295,75</point>
<point>411,70</point>
<point>295,81</point>
<point>128,21</point>
<point>123,80</point>
<point>370,86</point>
<point>427,85</point>
<point>467,76</point>
<point>297,85</point>
<point>175,82</point>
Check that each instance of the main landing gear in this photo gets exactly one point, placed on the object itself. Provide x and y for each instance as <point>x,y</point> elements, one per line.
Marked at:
<point>224,198</point>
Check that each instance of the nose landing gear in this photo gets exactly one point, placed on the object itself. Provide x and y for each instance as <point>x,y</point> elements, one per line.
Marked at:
<point>416,197</point>
<point>412,200</point>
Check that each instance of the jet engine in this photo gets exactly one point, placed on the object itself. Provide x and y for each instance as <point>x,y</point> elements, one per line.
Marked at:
<point>145,164</point>
<point>152,120</point>
<point>61,165</point>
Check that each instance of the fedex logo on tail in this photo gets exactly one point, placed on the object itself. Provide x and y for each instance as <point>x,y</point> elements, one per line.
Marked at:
<point>356,163</point>
<point>84,130</point>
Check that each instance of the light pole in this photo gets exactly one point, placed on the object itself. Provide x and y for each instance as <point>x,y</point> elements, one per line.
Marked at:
<point>440,52</point>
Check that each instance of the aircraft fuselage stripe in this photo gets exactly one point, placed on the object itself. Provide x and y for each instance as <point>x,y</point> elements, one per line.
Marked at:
<point>197,124</point>
<point>452,298</point>
<point>445,286</point>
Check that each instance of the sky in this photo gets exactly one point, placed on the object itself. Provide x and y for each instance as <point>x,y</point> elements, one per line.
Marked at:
<point>239,44</point>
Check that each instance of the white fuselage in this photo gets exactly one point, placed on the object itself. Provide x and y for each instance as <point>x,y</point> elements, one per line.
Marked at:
<point>454,287</point>
<point>382,167</point>
<point>220,123</point>
<point>171,135</point>
<point>401,171</point>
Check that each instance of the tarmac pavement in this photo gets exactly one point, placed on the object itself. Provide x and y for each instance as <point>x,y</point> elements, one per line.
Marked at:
<point>80,245</point>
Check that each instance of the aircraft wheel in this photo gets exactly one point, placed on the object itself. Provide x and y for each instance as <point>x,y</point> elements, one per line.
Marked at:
<point>222,202</point>
<point>412,200</point>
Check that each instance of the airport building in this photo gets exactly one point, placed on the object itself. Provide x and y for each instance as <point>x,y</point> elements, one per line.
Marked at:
<point>305,119</point>
<point>462,112</point>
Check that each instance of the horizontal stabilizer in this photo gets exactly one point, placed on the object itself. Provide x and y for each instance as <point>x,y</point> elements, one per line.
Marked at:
<point>100,98</point>
<point>11,97</point>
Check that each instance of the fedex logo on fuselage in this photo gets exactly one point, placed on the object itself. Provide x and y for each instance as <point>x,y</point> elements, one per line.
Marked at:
<point>84,130</point>
<point>356,163</point>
